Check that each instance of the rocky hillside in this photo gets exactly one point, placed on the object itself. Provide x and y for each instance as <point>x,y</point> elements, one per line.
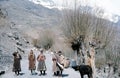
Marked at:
<point>17,17</point>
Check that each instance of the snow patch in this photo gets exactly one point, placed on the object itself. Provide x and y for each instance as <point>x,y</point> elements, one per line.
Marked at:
<point>47,3</point>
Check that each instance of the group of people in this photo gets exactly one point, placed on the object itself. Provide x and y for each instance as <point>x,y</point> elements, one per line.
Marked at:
<point>41,62</point>
<point>59,63</point>
<point>58,60</point>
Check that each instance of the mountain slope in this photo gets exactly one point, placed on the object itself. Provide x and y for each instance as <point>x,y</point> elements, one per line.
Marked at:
<point>28,13</point>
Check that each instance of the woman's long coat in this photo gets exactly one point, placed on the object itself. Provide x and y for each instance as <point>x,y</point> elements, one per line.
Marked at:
<point>17,64</point>
<point>32,61</point>
<point>55,68</point>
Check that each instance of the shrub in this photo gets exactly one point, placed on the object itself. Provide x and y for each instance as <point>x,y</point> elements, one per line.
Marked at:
<point>45,40</point>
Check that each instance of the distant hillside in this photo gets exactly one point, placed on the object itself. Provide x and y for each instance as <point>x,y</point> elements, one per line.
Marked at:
<point>24,12</point>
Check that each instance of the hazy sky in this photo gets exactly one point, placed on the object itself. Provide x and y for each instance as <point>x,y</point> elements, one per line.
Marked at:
<point>112,6</point>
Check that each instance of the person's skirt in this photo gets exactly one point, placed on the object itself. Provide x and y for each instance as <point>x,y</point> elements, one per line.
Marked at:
<point>41,66</point>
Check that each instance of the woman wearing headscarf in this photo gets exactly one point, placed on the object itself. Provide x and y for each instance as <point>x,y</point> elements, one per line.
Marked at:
<point>60,61</point>
<point>17,64</point>
<point>55,68</point>
<point>32,61</point>
<point>41,63</point>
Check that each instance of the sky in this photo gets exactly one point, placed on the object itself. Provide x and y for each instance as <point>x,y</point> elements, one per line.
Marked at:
<point>111,6</point>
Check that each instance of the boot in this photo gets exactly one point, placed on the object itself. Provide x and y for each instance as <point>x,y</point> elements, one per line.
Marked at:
<point>58,73</point>
<point>32,72</point>
<point>18,73</point>
<point>55,74</point>
<point>40,73</point>
<point>43,72</point>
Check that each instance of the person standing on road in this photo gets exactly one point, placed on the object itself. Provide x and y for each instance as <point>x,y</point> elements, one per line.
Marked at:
<point>60,62</point>
<point>55,67</point>
<point>32,62</point>
<point>41,63</point>
<point>17,64</point>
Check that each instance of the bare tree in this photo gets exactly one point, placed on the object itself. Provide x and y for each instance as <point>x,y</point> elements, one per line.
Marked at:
<point>88,24</point>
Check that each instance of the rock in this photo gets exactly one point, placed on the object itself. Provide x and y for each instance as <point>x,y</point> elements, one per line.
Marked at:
<point>2,72</point>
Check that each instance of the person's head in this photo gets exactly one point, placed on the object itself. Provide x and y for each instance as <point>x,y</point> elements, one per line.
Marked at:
<point>59,52</point>
<point>15,54</point>
<point>41,51</point>
<point>31,51</point>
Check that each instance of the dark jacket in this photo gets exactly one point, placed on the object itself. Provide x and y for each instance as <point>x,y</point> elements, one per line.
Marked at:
<point>17,64</point>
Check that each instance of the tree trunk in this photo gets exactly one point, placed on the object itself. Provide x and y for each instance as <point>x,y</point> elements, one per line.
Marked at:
<point>92,53</point>
<point>110,72</point>
<point>75,56</point>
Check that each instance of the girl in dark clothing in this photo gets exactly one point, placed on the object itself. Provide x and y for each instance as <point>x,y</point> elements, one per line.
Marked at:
<point>16,64</point>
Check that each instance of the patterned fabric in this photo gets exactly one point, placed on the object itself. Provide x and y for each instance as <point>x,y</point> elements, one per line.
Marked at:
<point>41,62</point>
<point>41,66</point>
